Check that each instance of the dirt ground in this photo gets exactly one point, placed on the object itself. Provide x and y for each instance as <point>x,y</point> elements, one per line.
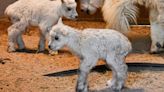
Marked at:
<point>40,72</point>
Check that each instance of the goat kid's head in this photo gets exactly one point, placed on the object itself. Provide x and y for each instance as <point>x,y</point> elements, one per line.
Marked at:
<point>69,9</point>
<point>58,36</point>
<point>90,6</point>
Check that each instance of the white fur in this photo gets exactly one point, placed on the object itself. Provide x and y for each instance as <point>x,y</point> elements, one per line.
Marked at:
<point>90,45</point>
<point>118,14</point>
<point>90,6</point>
<point>157,32</point>
<point>41,13</point>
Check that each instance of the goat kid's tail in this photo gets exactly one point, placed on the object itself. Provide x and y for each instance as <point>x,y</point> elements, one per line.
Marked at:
<point>118,14</point>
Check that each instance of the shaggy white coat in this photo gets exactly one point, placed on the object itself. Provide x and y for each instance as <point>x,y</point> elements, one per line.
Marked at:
<point>118,14</point>
<point>41,13</point>
<point>90,45</point>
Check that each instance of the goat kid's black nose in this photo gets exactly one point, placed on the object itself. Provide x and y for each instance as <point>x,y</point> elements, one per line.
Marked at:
<point>88,12</point>
<point>82,10</point>
<point>49,46</point>
<point>76,17</point>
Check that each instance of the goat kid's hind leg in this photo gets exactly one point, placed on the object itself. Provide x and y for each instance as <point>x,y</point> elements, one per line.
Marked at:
<point>85,66</point>
<point>12,39</point>
<point>14,31</point>
<point>122,71</point>
<point>110,61</point>
<point>119,72</point>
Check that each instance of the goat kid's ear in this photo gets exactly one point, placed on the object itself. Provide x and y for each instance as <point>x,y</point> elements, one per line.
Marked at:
<point>60,21</point>
<point>62,1</point>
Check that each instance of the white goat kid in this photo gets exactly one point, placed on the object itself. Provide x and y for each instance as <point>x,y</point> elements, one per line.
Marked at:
<point>117,13</point>
<point>41,13</point>
<point>90,45</point>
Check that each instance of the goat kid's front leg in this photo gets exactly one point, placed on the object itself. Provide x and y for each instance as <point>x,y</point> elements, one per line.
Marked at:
<point>85,66</point>
<point>43,34</point>
<point>20,42</point>
<point>41,46</point>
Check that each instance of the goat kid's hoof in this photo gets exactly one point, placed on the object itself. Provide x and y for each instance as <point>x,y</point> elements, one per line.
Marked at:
<point>114,87</point>
<point>111,84</point>
<point>81,90</point>
<point>10,50</point>
<point>39,51</point>
<point>53,53</point>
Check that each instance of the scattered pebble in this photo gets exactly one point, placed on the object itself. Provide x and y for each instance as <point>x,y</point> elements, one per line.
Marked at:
<point>3,60</point>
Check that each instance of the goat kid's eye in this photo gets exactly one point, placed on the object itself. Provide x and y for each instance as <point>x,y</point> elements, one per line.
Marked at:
<point>69,9</point>
<point>56,38</point>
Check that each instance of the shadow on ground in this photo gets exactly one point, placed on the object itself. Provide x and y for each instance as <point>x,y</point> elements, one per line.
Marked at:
<point>132,67</point>
<point>123,90</point>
